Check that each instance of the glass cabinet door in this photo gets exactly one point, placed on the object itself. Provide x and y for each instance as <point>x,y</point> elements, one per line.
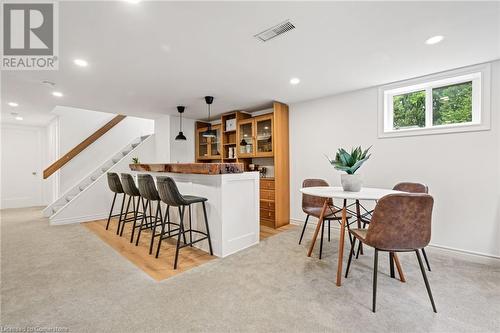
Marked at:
<point>215,143</point>
<point>264,137</point>
<point>245,139</point>
<point>202,144</point>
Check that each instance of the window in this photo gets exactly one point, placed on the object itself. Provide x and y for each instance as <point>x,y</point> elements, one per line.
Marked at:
<point>455,101</point>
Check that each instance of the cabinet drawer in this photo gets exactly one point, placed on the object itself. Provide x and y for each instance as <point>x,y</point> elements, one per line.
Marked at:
<point>267,184</point>
<point>267,194</point>
<point>269,205</point>
<point>267,214</point>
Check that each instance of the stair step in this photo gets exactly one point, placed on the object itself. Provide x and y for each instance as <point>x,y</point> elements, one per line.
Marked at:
<point>115,160</point>
<point>125,152</point>
<point>69,198</point>
<point>144,137</point>
<point>94,178</point>
<point>104,170</point>
<point>134,145</point>
<point>55,209</point>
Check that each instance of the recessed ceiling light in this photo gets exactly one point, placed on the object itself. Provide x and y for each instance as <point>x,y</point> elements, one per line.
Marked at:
<point>13,104</point>
<point>57,94</point>
<point>434,40</point>
<point>81,62</point>
<point>19,118</point>
<point>133,1</point>
<point>294,80</point>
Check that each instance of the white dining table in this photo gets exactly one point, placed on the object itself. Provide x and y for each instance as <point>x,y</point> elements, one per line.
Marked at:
<point>327,192</point>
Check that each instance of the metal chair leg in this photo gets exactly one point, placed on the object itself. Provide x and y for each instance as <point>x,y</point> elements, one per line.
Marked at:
<point>145,209</point>
<point>153,234</point>
<point>351,253</point>
<point>328,230</point>
<point>163,222</point>
<point>303,229</point>
<point>426,260</point>
<point>181,231</point>
<point>122,223</point>
<point>321,240</point>
<point>208,230</point>
<point>427,286</point>
<point>121,212</point>
<point>391,265</point>
<point>375,269</point>
<point>190,227</point>
<point>139,201</point>
<point>111,211</point>
<point>181,222</point>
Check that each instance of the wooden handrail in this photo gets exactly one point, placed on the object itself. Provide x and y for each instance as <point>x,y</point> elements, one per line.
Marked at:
<point>81,146</point>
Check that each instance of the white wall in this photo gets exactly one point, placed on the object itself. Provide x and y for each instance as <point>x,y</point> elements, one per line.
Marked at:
<point>77,124</point>
<point>462,170</point>
<point>167,149</point>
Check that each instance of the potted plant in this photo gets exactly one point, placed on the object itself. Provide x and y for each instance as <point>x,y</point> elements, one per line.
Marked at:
<point>350,163</point>
<point>135,160</point>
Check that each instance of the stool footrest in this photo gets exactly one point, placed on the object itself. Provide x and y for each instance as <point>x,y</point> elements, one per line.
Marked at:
<point>193,242</point>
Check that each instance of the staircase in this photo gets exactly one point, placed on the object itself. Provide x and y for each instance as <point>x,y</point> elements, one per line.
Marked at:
<point>88,181</point>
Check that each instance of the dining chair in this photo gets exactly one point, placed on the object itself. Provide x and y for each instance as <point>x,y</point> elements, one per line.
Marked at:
<point>400,223</point>
<point>414,188</point>
<point>312,206</point>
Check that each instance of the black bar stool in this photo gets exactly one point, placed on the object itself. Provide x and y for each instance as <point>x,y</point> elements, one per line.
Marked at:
<point>169,194</point>
<point>115,186</point>
<point>148,192</point>
<point>132,191</point>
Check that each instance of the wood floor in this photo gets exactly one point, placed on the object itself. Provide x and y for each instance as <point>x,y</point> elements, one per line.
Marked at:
<point>161,268</point>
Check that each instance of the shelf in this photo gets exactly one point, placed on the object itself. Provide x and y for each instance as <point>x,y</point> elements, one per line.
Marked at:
<point>231,131</point>
<point>230,144</point>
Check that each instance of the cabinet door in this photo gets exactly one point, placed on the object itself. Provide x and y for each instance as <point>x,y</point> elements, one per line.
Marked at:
<point>215,143</point>
<point>246,138</point>
<point>202,149</point>
<point>264,135</point>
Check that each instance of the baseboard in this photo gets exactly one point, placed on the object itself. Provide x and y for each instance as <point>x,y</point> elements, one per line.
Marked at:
<point>437,246</point>
<point>79,219</point>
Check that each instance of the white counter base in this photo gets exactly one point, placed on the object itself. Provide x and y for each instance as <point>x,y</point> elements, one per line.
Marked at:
<point>232,208</point>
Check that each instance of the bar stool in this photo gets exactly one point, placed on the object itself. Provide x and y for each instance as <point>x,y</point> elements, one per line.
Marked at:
<point>132,191</point>
<point>115,186</point>
<point>169,194</point>
<point>148,192</point>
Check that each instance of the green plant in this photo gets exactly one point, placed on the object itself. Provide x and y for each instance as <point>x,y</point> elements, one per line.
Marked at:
<point>349,162</point>
<point>135,160</point>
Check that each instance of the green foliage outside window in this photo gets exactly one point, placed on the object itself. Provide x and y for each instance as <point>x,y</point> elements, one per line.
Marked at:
<point>452,104</point>
<point>409,110</point>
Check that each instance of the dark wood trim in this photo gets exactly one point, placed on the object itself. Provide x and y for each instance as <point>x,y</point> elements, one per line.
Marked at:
<point>81,146</point>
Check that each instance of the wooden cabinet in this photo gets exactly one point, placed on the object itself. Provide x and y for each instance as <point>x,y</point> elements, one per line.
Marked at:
<point>208,148</point>
<point>267,202</point>
<point>255,136</point>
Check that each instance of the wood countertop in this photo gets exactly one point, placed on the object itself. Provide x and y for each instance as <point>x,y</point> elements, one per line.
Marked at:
<point>190,168</point>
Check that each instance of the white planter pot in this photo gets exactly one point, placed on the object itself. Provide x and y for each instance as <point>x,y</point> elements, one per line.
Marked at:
<point>351,183</point>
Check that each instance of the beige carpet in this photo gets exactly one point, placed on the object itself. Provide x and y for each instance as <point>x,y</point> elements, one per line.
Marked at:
<point>64,276</point>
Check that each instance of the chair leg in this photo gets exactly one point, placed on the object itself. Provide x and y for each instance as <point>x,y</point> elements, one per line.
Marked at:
<point>391,265</point>
<point>328,230</point>
<point>121,212</point>
<point>139,200</point>
<point>181,231</point>
<point>429,292</point>
<point>164,221</point>
<point>145,209</point>
<point>351,253</point>
<point>181,222</point>
<point>122,224</point>
<point>133,210</point>
<point>321,240</point>
<point>303,229</point>
<point>111,211</point>
<point>375,269</point>
<point>426,260</point>
<point>190,227</point>
<point>208,230</point>
<point>153,234</point>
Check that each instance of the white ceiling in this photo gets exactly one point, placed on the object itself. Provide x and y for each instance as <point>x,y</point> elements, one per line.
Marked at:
<point>146,58</point>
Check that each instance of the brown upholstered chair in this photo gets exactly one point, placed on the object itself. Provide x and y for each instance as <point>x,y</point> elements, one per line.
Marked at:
<point>312,206</point>
<point>400,223</point>
<point>414,188</point>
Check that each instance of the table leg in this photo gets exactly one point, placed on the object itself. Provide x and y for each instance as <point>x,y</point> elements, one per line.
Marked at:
<point>398,267</point>
<point>341,246</point>
<point>318,227</point>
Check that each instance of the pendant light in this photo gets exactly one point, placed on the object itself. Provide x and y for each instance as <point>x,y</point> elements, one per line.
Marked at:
<point>181,135</point>
<point>209,133</point>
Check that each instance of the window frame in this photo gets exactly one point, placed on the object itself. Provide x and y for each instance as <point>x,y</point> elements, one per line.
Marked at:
<point>480,77</point>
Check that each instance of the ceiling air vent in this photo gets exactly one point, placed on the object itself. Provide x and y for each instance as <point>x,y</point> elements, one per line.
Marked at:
<point>275,31</point>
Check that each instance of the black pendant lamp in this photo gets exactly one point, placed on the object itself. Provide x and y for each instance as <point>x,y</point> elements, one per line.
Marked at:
<point>181,135</point>
<point>209,133</point>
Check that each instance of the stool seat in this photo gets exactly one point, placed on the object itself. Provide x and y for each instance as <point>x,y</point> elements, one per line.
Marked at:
<point>191,199</point>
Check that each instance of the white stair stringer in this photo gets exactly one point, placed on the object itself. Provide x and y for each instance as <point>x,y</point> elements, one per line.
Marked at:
<point>91,198</point>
